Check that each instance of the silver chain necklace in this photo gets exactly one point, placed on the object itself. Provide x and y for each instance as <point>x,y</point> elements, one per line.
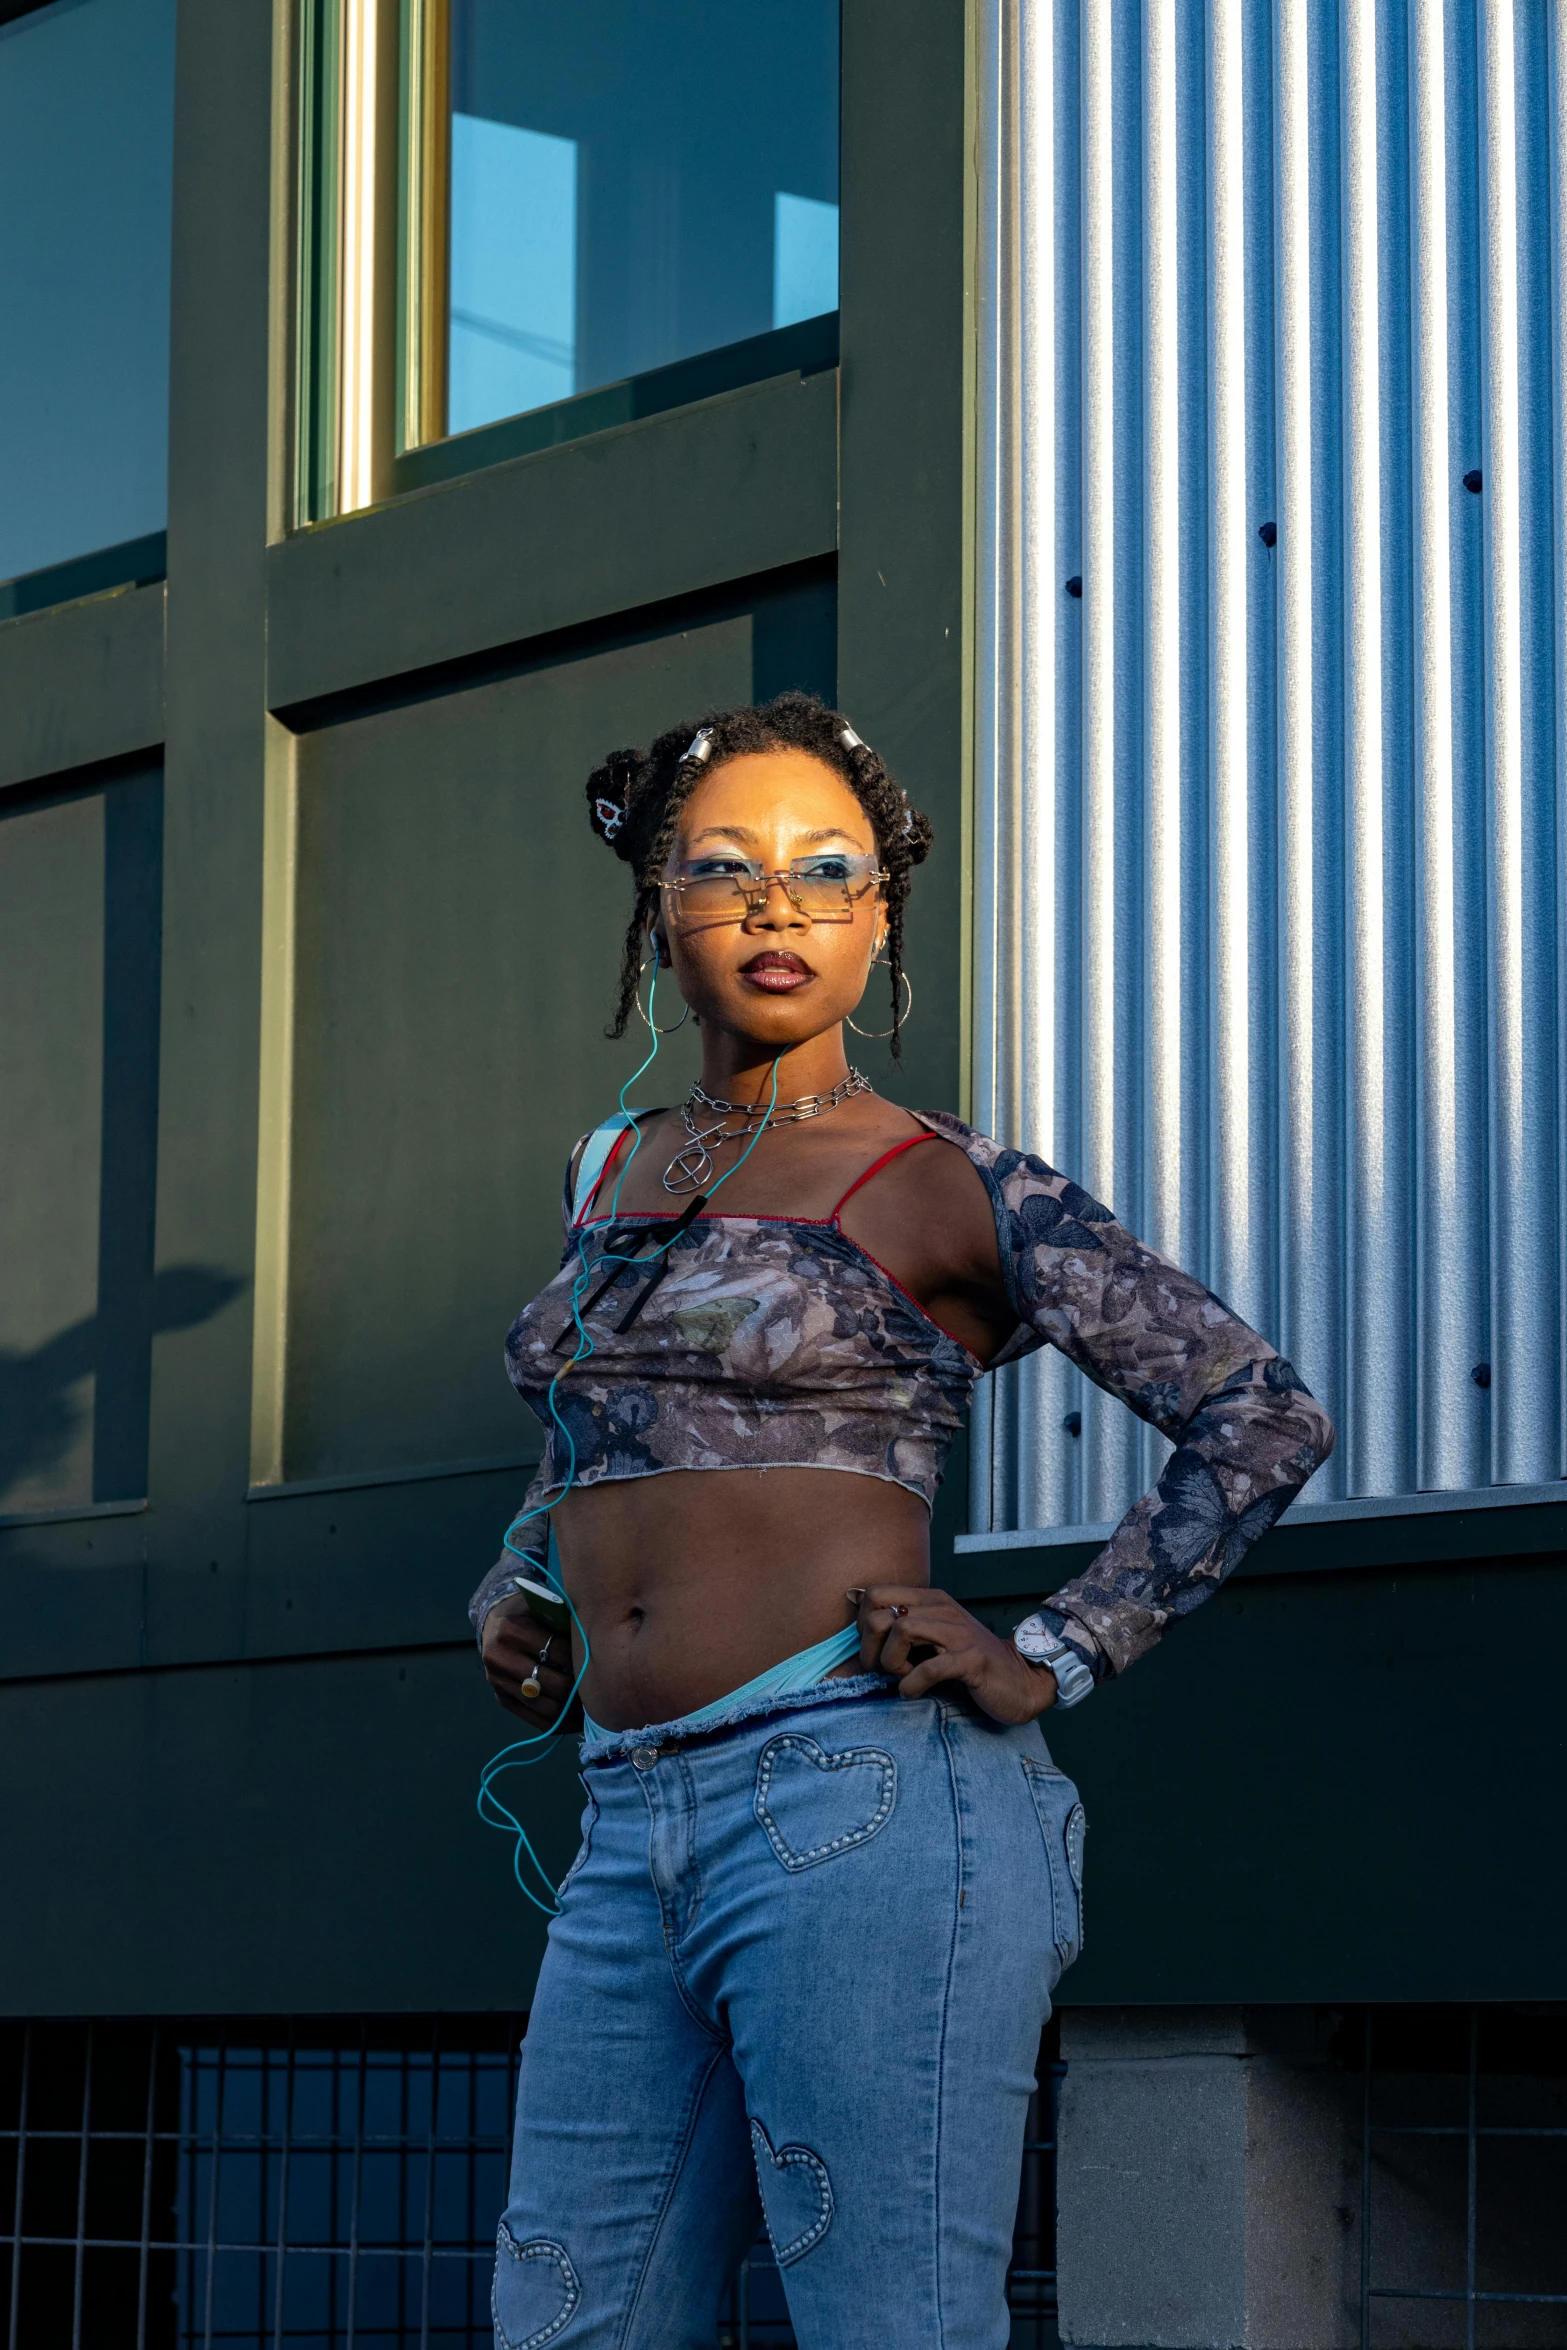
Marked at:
<point>704,1120</point>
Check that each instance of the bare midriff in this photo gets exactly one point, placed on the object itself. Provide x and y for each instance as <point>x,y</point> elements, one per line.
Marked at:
<point>692,1582</point>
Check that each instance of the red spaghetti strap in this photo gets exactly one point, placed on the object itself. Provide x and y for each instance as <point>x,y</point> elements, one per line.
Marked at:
<point>910,1143</point>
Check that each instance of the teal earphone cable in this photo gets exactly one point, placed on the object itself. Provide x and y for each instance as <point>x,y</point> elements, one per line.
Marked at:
<point>516,1757</point>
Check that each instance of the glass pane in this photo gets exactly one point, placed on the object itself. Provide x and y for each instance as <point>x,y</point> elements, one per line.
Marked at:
<point>631,186</point>
<point>86,158</point>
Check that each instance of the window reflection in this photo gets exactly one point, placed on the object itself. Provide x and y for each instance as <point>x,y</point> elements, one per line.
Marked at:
<point>86,155</point>
<point>632,186</point>
<point>805,258</point>
<point>514,270</point>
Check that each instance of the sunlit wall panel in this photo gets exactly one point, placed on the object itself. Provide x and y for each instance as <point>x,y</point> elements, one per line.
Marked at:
<point>1270,752</point>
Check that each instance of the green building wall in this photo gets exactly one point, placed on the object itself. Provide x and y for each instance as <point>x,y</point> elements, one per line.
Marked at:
<point>309,814</point>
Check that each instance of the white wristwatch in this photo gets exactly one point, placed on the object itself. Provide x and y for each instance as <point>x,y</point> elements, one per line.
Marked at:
<point>1038,1645</point>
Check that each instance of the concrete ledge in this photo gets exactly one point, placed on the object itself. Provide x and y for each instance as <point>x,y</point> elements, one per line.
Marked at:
<point>81,683</point>
<point>726,489</point>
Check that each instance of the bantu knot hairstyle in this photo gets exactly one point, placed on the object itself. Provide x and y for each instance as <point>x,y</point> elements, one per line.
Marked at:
<point>635,799</point>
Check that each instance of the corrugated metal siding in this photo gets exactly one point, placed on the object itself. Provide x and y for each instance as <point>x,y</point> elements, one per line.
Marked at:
<point>1269,939</point>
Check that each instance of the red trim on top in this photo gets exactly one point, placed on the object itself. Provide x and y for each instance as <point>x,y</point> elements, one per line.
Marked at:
<point>809,1223</point>
<point>715,1216</point>
<point>812,1224</point>
<point>923,1311</point>
<point>806,1224</point>
<point>910,1142</point>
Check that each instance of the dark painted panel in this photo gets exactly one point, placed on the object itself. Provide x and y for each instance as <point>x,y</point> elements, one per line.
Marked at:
<point>81,684</point>
<point>74,1596</point>
<point>220,448</point>
<point>1304,1795</point>
<point>302,1834</point>
<point>131,1305</point>
<point>900,575</point>
<point>51,1046</point>
<point>254,1836</point>
<point>390,1564</point>
<point>459,934</point>
<point>383,1566</point>
<point>80,878</point>
<point>721,491</point>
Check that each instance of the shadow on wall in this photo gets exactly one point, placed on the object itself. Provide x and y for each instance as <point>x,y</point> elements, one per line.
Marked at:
<point>40,1417</point>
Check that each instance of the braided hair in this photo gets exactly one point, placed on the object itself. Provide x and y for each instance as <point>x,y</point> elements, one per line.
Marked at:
<point>635,799</point>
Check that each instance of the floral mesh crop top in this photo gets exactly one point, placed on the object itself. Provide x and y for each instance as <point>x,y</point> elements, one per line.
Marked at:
<point>769,1342</point>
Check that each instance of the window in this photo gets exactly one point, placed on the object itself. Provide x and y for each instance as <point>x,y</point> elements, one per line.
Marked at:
<point>577,201</point>
<point>86,156</point>
<point>632,186</point>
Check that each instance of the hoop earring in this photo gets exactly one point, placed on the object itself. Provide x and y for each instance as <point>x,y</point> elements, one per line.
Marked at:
<point>647,1023</point>
<point>874,1035</point>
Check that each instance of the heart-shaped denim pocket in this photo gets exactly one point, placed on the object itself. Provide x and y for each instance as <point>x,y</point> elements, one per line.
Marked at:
<point>796,2196</point>
<point>815,1805</point>
<point>535,2294</point>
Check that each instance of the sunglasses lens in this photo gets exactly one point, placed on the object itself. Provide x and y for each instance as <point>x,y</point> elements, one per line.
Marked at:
<point>824,900</point>
<point>729,897</point>
<point>718,898</point>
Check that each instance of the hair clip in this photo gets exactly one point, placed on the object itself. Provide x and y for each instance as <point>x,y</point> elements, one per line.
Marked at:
<point>610,815</point>
<point>849,739</point>
<point>700,746</point>
<point>908,821</point>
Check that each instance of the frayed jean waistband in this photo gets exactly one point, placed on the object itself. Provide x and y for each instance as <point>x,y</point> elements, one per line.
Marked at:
<point>615,1745</point>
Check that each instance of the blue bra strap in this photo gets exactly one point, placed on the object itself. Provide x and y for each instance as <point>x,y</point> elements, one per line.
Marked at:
<point>595,1157</point>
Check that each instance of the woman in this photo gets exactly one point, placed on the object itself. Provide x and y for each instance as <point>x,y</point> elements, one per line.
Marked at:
<point>829,1875</point>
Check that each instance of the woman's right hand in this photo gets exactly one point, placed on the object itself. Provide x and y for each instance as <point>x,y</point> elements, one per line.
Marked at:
<point>513,1642</point>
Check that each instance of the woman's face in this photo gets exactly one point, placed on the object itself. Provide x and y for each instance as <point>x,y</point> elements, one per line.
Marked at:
<point>778,973</point>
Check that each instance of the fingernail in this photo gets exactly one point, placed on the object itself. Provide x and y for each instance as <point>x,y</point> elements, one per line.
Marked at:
<point>855,1595</point>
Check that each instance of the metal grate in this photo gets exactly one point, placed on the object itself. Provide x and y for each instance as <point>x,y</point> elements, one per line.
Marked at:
<point>1441,2089</point>
<point>256,2183</point>
<point>1031,2280</point>
<point>326,2183</point>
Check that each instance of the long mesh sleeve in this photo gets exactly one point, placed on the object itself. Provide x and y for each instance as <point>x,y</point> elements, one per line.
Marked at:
<point>1247,1431</point>
<point>533,1540</point>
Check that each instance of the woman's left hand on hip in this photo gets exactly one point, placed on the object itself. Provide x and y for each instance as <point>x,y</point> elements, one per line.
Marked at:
<point>900,1624</point>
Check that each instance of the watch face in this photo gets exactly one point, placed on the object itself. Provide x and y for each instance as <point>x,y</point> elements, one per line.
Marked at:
<point>1036,1643</point>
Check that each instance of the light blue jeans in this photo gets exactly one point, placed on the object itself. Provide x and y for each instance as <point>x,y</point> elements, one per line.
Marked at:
<point>806,1955</point>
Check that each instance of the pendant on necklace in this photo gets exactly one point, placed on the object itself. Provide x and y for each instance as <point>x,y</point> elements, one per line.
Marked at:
<point>693,1166</point>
